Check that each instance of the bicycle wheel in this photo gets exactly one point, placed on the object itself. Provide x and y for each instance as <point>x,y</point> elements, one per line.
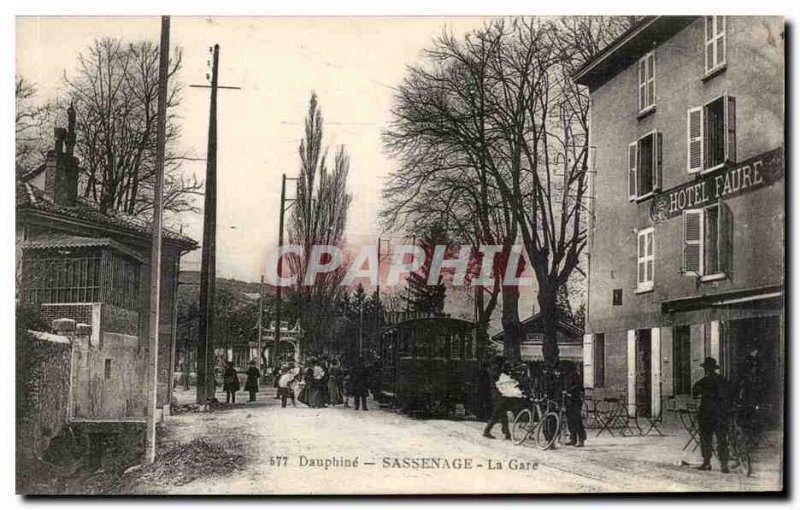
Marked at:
<point>522,427</point>
<point>563,429</point>
<point>547,431</point>
<point>742,451</point>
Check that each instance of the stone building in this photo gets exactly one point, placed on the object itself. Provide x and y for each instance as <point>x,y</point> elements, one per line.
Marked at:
<point>77,262</point>
<point>687,242</point>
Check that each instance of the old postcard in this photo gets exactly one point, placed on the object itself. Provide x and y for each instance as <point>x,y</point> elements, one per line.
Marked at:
<point>387,255</point>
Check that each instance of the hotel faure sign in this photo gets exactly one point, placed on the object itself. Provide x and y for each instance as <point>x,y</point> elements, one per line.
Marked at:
<point>750,175</point>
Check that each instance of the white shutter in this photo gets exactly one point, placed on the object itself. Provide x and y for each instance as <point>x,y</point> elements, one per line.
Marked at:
<point>632,159</point>
<point>655,370</point>
<point>631,371</point>
<point>693,242</point>
<point>645,260</point>
<point>588,360</point>
<point>725,238</point>
<point>719,37</point>
<point>694,133</point>
<point>642,85</point>
<point>730,129</point>
<point>709,38</point>
<point>658,160</point>
<point>651,79</point>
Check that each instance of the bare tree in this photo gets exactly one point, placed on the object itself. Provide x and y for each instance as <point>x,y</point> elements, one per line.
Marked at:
<point>115,94</point>
<point>319,217</point>
<point>32,120</point>
<point>440,134</point>
<point>492,130</point>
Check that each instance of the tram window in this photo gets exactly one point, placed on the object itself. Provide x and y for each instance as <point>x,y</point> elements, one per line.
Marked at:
<point>440,347</point>
<point>402,343</point>
<point>455,351</point>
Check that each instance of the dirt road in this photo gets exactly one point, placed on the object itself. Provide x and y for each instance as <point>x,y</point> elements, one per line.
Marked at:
<point>343,451</point>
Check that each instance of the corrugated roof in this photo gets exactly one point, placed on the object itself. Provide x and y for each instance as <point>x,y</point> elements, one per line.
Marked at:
<point>54,241</point>
<point>31,197</point>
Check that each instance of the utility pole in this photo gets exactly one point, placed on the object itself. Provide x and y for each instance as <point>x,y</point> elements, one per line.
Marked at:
<point>260,322</point>
<point>279,289</point>
<point>206,386</point>
<point>155,254</point>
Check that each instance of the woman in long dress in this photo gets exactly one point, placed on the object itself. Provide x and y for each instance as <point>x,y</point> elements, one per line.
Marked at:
<point>334,385</point>
<point>318,396</point>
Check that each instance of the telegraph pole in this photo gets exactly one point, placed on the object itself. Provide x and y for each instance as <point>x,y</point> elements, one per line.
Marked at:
<point>155,255</point>
<point>206,385</point>
<point>279,290</point>
<point>260,322</point>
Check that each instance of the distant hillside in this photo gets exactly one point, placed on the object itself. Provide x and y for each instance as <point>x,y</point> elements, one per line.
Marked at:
<point>237,287</point>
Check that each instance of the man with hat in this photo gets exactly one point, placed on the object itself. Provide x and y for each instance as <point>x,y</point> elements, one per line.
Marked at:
<point>712,415</point>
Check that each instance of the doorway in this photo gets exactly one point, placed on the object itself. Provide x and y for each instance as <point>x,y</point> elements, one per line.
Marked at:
<point>644,370</point>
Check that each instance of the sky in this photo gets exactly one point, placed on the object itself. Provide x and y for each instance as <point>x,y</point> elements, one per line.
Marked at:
<point>351,63</point>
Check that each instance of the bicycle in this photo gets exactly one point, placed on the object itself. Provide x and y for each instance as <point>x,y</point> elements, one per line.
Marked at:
<point>744,434</point>
<point>538,422</point>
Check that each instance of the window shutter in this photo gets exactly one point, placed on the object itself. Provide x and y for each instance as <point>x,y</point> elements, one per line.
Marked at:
<point>632,149</point>
<point>588,360</point>
<point>695,138</point>
<point>725,239</point>
<point>709,43</point>
<point>642,85</point>
<point>651,79</point>
<point>693,242</point>
<point>631,371</point>
<point>641,239</point>
<point>658,151</point>
<point>730,129</point>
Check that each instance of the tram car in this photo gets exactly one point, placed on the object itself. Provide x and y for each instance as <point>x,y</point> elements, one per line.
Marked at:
<point>429,364</point>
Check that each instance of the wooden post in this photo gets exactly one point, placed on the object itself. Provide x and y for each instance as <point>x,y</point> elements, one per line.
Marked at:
<point>155,255</point>
<point>279,289</point>
<point>206,385</point>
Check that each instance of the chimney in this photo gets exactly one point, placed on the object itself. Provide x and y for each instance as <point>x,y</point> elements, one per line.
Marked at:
<point>61,167</point>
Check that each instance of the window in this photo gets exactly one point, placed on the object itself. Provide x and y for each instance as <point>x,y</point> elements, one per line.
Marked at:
<point>644,260</point>
<point>681,360</point>
<point>644,166</point>
<point>107,367</point>
<point>616,297</point>
<point>715,43</point>
<point>535,337</point>
<point>707,241</point>
<point>599,360</point>
<point>711,134</point>
<point>647,82</point>
<point>456,347</point>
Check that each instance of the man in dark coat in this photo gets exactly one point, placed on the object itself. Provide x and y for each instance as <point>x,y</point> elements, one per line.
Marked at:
<point>573,386</point>
<point>499,402</point>
<point>251,385</point>
<point>712,416</point>
<point>230,383</point>
<point>359,382</point>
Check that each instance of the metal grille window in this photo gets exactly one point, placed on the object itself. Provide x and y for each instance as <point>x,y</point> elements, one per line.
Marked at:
<point>62,279</point>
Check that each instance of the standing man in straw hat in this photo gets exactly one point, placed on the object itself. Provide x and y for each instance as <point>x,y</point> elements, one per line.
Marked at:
<point>713,414</point>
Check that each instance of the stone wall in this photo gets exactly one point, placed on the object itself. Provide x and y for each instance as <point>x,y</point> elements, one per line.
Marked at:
<point>109,381</point>
<point>43,385</point>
